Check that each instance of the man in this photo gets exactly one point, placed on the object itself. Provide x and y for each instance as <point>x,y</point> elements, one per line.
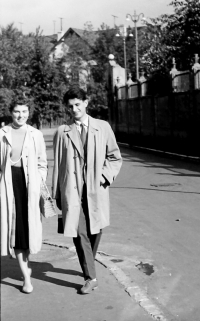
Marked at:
<point>86,162</point>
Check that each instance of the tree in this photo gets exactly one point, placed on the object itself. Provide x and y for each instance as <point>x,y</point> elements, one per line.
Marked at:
<point>47,83</point>
<point>15,52</point>
<point>25,65</point>
<point>183,28</point>
<point>177,35</point>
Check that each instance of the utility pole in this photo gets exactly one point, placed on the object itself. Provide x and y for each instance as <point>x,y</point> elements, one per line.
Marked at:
<point>114,19</point>
<point>61,19</point>
<point>54,26</point>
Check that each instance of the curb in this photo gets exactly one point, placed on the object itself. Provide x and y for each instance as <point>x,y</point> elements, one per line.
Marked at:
<point>133,290</point>
<point>162,153</point>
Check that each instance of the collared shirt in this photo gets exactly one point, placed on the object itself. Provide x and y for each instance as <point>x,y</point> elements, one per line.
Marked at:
<point>85,123</point>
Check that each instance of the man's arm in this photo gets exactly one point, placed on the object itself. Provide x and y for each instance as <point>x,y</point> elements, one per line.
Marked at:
<point>113,159</point>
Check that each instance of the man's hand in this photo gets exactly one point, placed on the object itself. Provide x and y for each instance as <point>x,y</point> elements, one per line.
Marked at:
<point>58,203</point>
<point>104,182</point>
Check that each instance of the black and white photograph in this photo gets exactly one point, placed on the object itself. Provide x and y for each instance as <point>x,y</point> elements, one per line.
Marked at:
<point>100,160</point>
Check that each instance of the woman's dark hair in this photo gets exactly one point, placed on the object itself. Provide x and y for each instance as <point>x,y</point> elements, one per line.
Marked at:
<point>19,98</point>
<point>74,92</point>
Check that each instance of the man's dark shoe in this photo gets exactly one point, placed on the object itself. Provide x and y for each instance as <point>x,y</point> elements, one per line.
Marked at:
<point>89,286</point>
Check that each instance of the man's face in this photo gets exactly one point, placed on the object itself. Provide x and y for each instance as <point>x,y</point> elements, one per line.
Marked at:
<point>78,108</point>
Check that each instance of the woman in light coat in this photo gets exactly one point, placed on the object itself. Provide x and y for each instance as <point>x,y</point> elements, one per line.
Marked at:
<point>22,165</point>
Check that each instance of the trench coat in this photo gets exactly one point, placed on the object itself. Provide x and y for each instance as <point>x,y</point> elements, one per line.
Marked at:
<point>103,158</point>
<point>35,166</point>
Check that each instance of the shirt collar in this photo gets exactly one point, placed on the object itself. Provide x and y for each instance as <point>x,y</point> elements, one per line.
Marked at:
<point>85,122</point>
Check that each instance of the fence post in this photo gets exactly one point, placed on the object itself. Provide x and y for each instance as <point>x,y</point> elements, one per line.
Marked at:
<point>117,86</point>
<point>127,111</point>
<point>116,109</point>
<point>143,87</point>
<point>140,106</point>
<point>173,74</point>
<point>196,70</point>
<point>129,83</point>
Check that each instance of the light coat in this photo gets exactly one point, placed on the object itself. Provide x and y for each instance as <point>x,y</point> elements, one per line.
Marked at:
<point>103,158</point>
<point>35,166</point>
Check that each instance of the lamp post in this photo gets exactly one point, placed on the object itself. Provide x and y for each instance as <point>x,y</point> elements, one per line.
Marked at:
<point>123,34</point>
<point>135,18</point>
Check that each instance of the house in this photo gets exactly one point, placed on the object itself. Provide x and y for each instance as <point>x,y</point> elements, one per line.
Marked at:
<point>75,47</point>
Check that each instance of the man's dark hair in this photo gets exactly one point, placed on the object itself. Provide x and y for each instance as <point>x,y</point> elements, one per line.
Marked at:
<point>74,92</point>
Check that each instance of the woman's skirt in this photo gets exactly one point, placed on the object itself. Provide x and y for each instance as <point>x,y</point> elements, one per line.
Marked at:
<point>21,208</point>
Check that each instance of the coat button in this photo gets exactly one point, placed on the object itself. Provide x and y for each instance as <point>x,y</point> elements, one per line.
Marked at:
<point>75,187</point>
<point>75,172</point>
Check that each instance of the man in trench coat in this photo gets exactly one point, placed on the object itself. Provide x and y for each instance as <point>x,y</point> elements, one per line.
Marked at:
<point>86,162</point>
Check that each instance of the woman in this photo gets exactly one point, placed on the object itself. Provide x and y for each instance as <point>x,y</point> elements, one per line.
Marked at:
<point>23,164</point>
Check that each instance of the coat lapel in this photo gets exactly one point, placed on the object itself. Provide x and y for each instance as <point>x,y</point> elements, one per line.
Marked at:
<point>73,134</point>
<point>91,144</point>
<point>7,131</point>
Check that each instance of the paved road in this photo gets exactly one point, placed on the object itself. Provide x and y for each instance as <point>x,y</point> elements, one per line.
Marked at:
<point>152,248</point>
<point>156,220</point>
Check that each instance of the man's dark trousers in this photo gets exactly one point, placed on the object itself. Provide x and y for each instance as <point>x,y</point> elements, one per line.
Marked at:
<point>86,243</point>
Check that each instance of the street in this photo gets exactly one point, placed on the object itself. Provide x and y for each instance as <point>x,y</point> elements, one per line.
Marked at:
<point>151,248</point>
<point>155,220</point>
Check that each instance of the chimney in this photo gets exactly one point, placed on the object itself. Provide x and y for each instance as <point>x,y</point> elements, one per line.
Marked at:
<point>60,34</point>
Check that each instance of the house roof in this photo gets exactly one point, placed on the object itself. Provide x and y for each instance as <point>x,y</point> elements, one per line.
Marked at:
<point>88,36</point>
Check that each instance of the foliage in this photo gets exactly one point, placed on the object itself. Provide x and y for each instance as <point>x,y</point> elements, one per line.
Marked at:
<point>47,83</point>
<point>14,57</point>
<point>183,28</point>
<point>25,65</point>
<point>97,101</point>
<point>176,35</point>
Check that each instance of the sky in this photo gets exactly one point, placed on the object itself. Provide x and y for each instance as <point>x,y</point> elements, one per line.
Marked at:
<point>27,15</point>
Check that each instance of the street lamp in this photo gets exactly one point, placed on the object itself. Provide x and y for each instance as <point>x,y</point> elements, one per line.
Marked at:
<point>135,18</point>
<point>123,33</point>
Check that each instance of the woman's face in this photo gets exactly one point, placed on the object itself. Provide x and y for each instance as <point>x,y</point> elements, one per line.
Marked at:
<point>20,115</point>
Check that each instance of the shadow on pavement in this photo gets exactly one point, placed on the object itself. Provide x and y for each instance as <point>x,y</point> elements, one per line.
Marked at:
<point>10,269</point>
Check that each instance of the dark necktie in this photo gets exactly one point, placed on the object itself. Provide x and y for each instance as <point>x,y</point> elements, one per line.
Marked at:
<point>83,135</point>
<point>84,143</point>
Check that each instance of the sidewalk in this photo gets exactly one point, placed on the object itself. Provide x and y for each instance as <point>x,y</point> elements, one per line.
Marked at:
<point>56,279</point>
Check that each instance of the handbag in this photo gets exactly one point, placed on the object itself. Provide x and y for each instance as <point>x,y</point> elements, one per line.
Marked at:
<point>47,207</point>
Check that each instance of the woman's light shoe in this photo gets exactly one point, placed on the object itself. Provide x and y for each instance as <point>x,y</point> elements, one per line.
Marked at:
<point>27,290</point>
